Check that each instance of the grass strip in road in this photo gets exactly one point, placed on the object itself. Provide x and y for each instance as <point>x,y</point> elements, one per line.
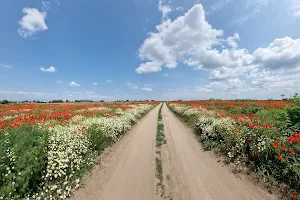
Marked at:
<point>160,140</point>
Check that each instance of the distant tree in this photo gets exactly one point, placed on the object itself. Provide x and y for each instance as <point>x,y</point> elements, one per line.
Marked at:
<point>282,96</point>
<point>102,101</point>
<point>4,102</point>
<point>127,100</point>
<point>67,101</point>
<point>91,101</point>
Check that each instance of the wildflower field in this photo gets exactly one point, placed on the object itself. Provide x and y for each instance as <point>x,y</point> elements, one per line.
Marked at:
<point>263,136</point>
<point>46,148</point>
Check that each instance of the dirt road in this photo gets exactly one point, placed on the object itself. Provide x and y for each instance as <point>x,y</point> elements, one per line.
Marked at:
<point>127,171</point>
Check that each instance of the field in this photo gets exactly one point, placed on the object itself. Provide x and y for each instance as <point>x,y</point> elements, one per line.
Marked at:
<point>46,148</point>
<point>262,136</point>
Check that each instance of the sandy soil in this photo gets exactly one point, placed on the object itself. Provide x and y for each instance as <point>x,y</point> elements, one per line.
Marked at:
<point>127,170</point>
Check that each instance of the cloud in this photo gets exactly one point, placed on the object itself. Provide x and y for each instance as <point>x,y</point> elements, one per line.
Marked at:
<point>94,96</point>
<point>218,6</point>
<point>147,89</point>
<point>32,22</point>
<point>231,40</point>
<point>95,83</point>
<point>255,7</point>
<point>6,66</point>
<point>165,9</point>
<point>6,92</point>
<point>21,92</point>
<point>203,89</point>
<point>184,38</point>
<point>281,53</point>
<point>148,67</point>
<point>59,82</point>
<point>136,88</point>
<point>90,92</point>
<point>190,39</point>
<point>295,6</point>
<point>108,81</point>
<point>179,8</point>
<point>46,5</point>
<point>209,87</point>
<point>50,69</point>
<point>42,94</point>
<point>74,84</point>
<point>57,2</point>
<point>166,74</point>
<point>132,86</point>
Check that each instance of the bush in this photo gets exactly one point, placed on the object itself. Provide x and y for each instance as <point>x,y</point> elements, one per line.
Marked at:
<point>98,139</point>
<point>249,109</point>
<point>4,102</point>
<point>23,161</point>
<point>293,114</point>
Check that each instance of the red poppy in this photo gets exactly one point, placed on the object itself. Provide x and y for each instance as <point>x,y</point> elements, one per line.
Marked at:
<point>291,151</point>
<point>279,157</point>
<point>295,133</point>
<point>249,138</point>
<point>277,139</point>
<point>84,134</point>
<point>293,196</point>
<point>258,154</point>
<point>292,139</point>
<point>275,144</point>
<point>282,147</point>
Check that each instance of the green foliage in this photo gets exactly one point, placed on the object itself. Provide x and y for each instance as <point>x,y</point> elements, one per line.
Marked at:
<point>293,114</point>
<point>98,139</point>
<point>296,99</point>
<point>4,102</point>
<point>160,136</point>
<point>159,113</point>
<point>249,109</point>
<point>56,101</point>
<point>23,161</point>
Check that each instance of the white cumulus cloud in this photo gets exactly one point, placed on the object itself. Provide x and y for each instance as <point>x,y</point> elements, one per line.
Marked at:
<point>32,22</point>
<point>147,89</point>
<point>231,41</point>
<point>295,7</point>
<point>148,67</point>
<point>165,9</point>
<point>50,69</point>
<point>74,84</point>
<point>21,92</point>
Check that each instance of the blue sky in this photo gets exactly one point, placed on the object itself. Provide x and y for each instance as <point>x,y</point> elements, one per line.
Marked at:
<point>146,49</point>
